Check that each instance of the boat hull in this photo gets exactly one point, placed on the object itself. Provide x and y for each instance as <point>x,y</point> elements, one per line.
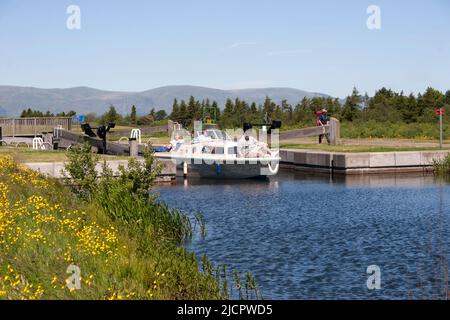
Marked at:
<point>227,171</point>
<point>217,167</point>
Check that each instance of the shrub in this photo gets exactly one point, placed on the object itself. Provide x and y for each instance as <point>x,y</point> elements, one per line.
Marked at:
<point>81,169</point>
<point>442,167</point>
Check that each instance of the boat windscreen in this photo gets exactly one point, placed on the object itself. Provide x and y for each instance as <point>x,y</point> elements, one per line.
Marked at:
<point>217,135</point>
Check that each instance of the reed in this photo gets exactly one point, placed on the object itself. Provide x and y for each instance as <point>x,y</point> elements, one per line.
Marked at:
<point>442,167</point>
<point>128,200</point>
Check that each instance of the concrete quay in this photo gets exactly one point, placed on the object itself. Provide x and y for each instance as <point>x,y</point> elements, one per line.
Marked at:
<point>360,163</point>
<point>56,169</point>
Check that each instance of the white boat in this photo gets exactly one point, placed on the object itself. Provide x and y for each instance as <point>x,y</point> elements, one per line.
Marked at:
<point>215,155</point>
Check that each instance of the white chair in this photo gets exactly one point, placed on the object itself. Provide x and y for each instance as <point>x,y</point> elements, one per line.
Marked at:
<point>136,134</point>
<point>38,144</point>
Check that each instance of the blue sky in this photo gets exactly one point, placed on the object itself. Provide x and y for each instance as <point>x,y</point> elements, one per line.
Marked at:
<point>321,46</point>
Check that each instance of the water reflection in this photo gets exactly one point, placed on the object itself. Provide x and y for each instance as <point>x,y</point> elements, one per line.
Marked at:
<point>414,180</point>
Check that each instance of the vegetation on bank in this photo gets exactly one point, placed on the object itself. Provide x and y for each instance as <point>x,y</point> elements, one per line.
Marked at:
<point>393,130</point>
<point>353,148</point>
<point>442,167</point>
<point>125,242</point>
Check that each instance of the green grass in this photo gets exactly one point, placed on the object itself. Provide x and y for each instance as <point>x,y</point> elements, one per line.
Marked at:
<point>28,155</point>
<point>353,148</point>
<point>374,129</point>
<point>159,123</point>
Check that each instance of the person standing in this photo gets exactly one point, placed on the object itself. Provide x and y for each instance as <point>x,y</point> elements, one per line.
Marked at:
<point>322,120</point>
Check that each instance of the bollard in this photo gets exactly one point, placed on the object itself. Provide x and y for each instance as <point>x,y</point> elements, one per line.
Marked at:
<point>185,170</point>
<point>134,147</point>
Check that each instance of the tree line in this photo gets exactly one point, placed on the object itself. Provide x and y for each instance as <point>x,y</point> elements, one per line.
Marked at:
<point>385,105</point>
<point>28,113</point>
<point>111,115</point>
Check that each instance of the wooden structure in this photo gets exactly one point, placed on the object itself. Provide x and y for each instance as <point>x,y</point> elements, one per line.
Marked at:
<point>15,127</point>
<point>332,129</point>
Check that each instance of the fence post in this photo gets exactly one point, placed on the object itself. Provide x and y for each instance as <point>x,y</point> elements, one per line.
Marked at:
<point>134,147</point>
<point>335,131</point>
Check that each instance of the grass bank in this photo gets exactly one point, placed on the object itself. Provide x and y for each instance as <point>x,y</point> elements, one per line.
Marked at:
<point>22,155</point>
<point>391,130</point>
<point>353,148</point>
<point>92,241</point>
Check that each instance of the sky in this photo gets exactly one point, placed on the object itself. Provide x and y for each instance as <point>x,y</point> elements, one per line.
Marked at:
<point>320,46</point>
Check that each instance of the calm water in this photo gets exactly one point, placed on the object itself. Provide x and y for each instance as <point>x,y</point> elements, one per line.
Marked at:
<point>309,237</point>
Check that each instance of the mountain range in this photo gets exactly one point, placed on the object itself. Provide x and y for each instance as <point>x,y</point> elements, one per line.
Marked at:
<point>13,99</point>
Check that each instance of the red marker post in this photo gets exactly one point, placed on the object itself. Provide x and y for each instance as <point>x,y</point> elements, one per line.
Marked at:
<point>440,112</point>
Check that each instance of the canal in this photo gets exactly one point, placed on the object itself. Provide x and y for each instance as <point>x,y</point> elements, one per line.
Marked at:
<point>313,237</point>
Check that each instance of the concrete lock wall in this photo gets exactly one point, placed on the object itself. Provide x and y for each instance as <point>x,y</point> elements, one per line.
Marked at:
<point>56,169</point>
<point>353,163</point>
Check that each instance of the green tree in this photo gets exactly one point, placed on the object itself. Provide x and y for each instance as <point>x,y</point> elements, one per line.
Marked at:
<point>133,119</point>
<point>286,112</point>
<point>428,102</point>
<point>351,106</point>
<point>268,108</point>
<point>81,170</point>
<point>302,111</point>
<point>175,115</point>
<point>410,112</point>
<point>227,116</point>
<point>216,110</point>
<point>183,114</point>
<point>160,115</point>
<point>447,98</point>
<point>255,114</point>
<point>110,116</point>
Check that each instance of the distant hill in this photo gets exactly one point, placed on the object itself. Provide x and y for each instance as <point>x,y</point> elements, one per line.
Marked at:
<point>14,99</point>
<point>2,112</point>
